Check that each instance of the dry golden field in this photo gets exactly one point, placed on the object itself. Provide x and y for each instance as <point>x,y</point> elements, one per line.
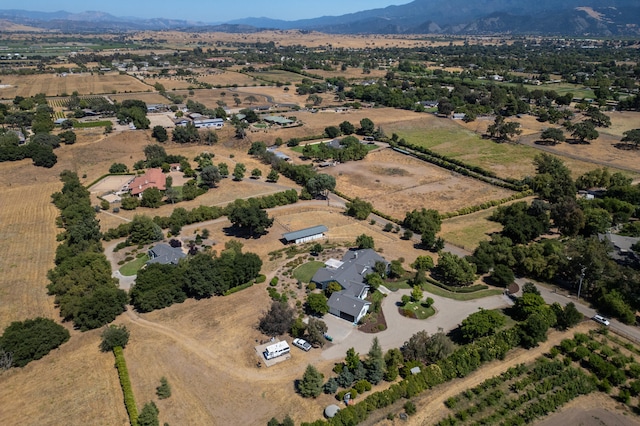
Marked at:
<point>56,85</point>
<point>149,98</point>
<point>180,40</point>
<point>396,184</point>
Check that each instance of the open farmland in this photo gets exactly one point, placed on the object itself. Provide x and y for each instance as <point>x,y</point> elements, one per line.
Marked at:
<point>149,98</point>
<point>56,85</point>
<point>229,78</point>
<point>395,183</point>
<point>462,141</point>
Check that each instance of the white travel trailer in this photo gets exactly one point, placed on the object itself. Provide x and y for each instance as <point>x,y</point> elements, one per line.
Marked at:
<point>276,350</point>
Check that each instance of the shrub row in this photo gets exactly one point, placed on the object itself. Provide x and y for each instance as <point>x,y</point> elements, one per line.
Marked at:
<point>461,167</point>
<point>486,205</point>
<point>462,290</point>
<point>199,214</point>
<point>125,382</point>
<point>460,363</point>
<point>238,288</point>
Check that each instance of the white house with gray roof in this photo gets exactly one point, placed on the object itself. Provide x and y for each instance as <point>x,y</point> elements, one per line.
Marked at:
<point>350,273</point>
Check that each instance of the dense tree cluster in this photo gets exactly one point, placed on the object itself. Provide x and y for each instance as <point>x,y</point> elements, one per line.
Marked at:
<point>30,340</point>
<point>81,281</point>
<point>201,276</point>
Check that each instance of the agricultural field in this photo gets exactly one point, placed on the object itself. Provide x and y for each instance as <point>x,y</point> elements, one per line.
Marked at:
<point>228,78</point>
<point>284,77</point>
<point>149,98</point>
<point>395,183</point>
<point>56,85</point>
<point>463,141</point>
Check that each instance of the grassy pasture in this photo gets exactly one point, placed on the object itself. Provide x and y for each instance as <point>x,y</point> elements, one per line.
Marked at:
<point>279,76</point>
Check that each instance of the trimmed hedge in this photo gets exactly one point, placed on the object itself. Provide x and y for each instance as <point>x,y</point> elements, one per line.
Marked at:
<point>486,205</point>
<point>463,290</point>
<point>238,288</point>
<point>125,383</point>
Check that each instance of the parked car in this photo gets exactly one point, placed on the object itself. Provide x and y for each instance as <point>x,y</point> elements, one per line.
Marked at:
<point>302,344</point>
<point>602,320</point>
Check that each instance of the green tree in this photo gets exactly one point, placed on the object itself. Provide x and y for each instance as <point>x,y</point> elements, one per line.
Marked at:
<point>585,131</point>
<point>118,168</point>
<point>454,270</point>
<point>277,320</point>
<point>311,384</point>
<point>375,364</point>
<point>164,390</point>
<point>32,339</point>
<point>238,172</point>
<point>347,128</point>
<point>367,127</point>
<point>365,241</point>
<point>155,152</point>
<point>321,184</point>
<point>224,169</point>
<point>554,134</point>
<point>257,148</point>
<point>423,263</point>
<point>502,275</point>
<point>143,231</point>
<point>317,303</point>
<point>113,336</point>
<point>210,176</point>
<point>632,137</point>
<point>567,317</point>
<point>332,132</point>
<point>481,323</point>
<point>129,203</point>
<point>534,329</point>
<point>352,359</point>
<point>251,218</point>
<point>315,332</point>
<point>152,198</point>
<point>503,130</point>
<point>416,294</point>
<point>149,415</point>
<point>553,179</point>
<point>425,222</point>
<point>160,134</point>
<point>68,138</point>
<point>527,305</point>
<point>273,176</point>
<point>256,173</point>
<point>427,349</point>
<point>359,208</point>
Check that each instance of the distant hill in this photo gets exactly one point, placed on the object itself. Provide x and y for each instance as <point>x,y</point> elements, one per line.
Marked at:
<point>543,17</point>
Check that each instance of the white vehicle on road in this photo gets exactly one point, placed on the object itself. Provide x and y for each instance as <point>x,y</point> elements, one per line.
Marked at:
<point>602,320</point>
<point>302,344</point>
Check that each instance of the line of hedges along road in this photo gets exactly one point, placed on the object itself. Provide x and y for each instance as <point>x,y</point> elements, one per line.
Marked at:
<point>458,166</point>
<point>182,217</point>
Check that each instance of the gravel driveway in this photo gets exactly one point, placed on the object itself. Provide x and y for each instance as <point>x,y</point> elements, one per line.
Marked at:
<point>449,314</point>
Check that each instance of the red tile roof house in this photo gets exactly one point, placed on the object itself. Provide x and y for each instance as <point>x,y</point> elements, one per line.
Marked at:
<point>153,178</point>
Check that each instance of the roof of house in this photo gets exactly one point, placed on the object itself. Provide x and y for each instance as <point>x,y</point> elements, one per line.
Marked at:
<point>277,119</point>
<point>153,178</point>
<point>621,243</point>
<point>356,265</point>
<point>347,303</point>
<point>303,233</point>
<point>165,254</point>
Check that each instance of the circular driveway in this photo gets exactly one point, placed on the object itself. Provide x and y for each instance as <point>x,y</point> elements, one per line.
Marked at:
<point>449,314</point>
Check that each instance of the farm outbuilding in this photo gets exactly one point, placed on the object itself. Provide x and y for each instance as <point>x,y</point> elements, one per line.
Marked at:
<point>305,235</point>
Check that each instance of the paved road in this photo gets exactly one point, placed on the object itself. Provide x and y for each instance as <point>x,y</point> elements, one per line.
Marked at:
<point>449,314</point>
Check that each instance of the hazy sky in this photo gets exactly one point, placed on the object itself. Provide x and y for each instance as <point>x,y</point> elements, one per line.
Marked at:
<point>208,10</point>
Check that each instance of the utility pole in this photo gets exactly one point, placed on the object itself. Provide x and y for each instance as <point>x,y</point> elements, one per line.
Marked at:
<point>584,268</point>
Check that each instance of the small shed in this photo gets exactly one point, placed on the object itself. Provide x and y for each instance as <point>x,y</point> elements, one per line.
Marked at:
<point>305,235</point>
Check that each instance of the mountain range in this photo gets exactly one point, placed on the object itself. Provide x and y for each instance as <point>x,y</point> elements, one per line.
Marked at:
<point>543,17</point>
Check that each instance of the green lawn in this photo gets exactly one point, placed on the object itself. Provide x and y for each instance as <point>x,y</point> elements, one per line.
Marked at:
<point>397,285</point>
<point>134,266</point>
<point>433,289</point>
<point>419,310</point>
<point>305,272</point>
